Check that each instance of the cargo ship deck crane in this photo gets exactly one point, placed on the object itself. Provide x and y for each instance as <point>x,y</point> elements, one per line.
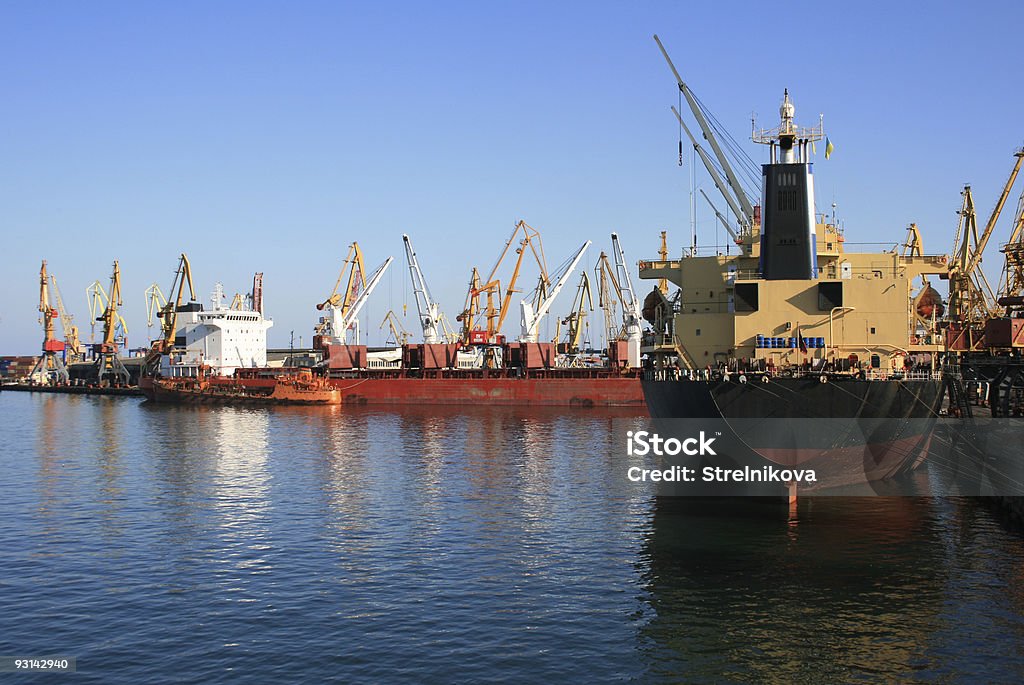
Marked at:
<point>168,315</point>
<point>72,342</point>
<point>49,369</point>
<point>731,188</point>
<point>343,310</point>
<point>532,312</point>
<point>108,367</point>
<point>431,317</point>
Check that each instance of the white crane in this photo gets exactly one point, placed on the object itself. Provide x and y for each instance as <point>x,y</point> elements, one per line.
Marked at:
<point>529,317</point>
<point>631,312</point>
<point>429,310</point>
<point>339,318</point>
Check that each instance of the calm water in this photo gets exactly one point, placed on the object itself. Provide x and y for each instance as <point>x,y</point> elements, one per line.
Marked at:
<point>466,545</point>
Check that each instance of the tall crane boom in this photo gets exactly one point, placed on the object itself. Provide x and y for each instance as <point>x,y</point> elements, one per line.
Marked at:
<point>530,319</point>
<point>631,308</point>
<point>343,315</point>
<point>49,368</point>
<point>108,366</point>
<point>168,315</point>
<point>429,310</point>
<point>747,215</point>
<point>996,211</point>
<point>67,322</point>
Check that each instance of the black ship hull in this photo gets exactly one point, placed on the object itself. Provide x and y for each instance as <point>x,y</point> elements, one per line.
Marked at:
<point>851,432</point>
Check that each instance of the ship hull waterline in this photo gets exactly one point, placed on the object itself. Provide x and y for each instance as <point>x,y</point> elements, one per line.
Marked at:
<point>850,432</point>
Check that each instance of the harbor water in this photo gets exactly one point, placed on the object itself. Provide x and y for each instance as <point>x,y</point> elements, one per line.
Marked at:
<point>160,543</point>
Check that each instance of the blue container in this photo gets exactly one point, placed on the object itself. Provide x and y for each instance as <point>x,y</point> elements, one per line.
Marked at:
<point>759,341</point>
<point>820,342</point>
<point>792,343</point>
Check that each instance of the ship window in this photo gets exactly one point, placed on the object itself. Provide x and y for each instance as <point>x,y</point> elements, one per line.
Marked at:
<point>830,296</point>
<point>876,361</point>
<point>872,330</point>
<point>698,331</point>
<point>746,297</point>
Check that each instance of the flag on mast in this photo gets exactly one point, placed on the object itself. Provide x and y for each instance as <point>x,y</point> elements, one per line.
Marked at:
<point>800,342</point>
<point>829,147</point>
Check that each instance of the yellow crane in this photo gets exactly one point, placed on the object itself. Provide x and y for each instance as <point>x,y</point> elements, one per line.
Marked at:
<point>577,319</point>
<point>397,334</point>
<point>970,295</point>
<point>356,270</point>
<point>49,369</point>
<point>71,339</point>
<point>108,367</point>
<point>663,253</point>
<point>155,301</point>
<point>608,297</point>
<point>491,286</point>
<point>168,315</point>
<point>1011,283</point>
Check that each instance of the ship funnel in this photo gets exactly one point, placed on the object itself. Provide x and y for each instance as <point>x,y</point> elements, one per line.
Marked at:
<point>788,242</point>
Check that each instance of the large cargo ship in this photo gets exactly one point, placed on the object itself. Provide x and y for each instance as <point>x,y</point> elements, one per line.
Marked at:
<point>219,355</point>
<point>789,326</point>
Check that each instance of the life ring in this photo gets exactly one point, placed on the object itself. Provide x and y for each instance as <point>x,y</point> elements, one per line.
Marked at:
<point>765,379</point>
<point>743,379</point>
<point>914,340</point>
<point>823,378</point>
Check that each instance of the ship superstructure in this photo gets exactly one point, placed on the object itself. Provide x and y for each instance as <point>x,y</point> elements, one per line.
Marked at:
<point>222,338</point>
<point>793,296</point>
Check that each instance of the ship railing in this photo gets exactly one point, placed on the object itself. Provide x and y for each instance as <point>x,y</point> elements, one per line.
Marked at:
<point>745,275</point>
<point>741,376</point>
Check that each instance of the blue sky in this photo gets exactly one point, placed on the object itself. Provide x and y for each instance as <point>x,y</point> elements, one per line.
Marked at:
<point>267,136</point>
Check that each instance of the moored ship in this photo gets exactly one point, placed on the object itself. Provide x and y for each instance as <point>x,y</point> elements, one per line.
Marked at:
<point>791,328</point>
<point>247,387</point>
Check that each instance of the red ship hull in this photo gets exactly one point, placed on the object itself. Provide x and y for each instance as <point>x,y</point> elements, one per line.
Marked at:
<point>561,388</point>
<point>568,391</point>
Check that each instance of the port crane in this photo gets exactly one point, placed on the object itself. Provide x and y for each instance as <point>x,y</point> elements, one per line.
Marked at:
<point>343,309</point>
<point>607,296</point>
<point>970,296</point>
<point>397,335</point>
<point>432,319</point>
<point>108,366</point>
<point>576,321</point>
<point>49,369</point>
<point>72,342</point>
<point>631,308</point>
<point>496,314</point>
<point>533,310</point>
<point>168,315</point>
<point>1011,283</point>
<point>155,302</point>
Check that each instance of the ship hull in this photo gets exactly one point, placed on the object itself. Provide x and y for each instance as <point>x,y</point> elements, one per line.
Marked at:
<point>468,388</point>
<point>610,391</point>
<point>850,432</point>
<point>227,392</point>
